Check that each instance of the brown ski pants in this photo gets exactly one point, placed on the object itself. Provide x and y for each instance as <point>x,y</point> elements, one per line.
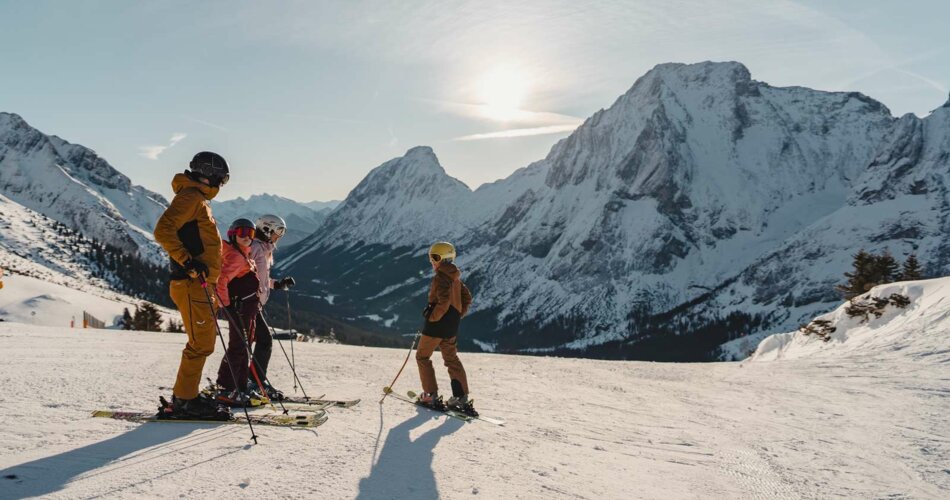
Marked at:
<point>198,319</point>
<point>451,359</point>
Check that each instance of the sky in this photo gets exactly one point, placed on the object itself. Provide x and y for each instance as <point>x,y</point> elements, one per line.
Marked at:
<point>305,98</point>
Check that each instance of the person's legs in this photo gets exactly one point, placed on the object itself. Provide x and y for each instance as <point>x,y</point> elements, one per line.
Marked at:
<point>197,316</point>
<point>424,352</point>
<point>235,358</point>
<point>263,345</point>
<point>451,359</point>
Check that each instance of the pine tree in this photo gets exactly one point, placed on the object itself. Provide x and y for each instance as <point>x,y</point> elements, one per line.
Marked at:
<point>858,279</point>
<point>884,269</point>
<point>911,270</point>
<point>126,322</point>
<point>147,318</point>
<point>175,326</point>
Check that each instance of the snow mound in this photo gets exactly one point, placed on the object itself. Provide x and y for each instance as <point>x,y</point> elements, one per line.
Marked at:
<point>919,330</point>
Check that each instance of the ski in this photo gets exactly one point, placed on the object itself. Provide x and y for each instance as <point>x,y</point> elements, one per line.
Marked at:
<point>258,404</point>
<point>496,421</point>
<point>337,403</point>
<point>454,414</point>
<point>318,401</point>
<point>303,421</point>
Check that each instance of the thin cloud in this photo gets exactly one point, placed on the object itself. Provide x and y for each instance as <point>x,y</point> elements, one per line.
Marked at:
<point>515,116</point>
<point>153,152</point>
<point>929,81</point>
<point>206,123</point>
<point>520,132</point>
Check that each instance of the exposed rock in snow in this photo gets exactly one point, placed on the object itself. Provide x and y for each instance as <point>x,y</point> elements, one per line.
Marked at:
<point>915,332</point>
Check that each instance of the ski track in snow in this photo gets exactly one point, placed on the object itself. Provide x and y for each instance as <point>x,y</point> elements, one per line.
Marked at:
<point>860,427</point>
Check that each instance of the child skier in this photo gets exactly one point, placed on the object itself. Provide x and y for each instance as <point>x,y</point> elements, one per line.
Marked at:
<point>270,228</point>
<point>449,300</point>
<point>187,231</point>
<point>238,289</point>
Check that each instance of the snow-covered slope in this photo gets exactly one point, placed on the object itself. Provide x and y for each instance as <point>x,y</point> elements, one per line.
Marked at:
<point>700,204</point>
<point>73,185</point>
<point>34,301</point>
<point>33,245</point>
<point>801,428</point>
<point>918,331</point>
<point>302,219</point>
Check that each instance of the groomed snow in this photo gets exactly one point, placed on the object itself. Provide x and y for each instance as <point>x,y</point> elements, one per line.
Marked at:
<point>814,427</point>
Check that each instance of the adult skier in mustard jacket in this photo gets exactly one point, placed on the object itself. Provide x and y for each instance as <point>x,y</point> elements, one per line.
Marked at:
<point>187,231</point>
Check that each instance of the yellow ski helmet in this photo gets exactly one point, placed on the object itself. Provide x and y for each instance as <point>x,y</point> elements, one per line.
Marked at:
<point>440,251</point>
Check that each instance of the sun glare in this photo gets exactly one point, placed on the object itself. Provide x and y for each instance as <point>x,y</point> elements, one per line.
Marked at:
<point>502,91</point>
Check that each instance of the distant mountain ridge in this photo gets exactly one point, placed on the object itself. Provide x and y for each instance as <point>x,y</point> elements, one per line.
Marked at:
<point>302,218</point>
<point>701,205</point>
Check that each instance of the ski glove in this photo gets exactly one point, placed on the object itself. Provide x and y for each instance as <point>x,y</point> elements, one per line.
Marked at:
<point>194,268</point>
<point>428,310</point>
<point>284,284</point>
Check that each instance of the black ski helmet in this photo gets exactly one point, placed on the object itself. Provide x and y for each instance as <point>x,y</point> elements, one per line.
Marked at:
<point>237,225</point>
<point>211,166</point>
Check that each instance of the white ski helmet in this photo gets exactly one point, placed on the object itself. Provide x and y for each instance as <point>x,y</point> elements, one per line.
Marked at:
<point>271,227</point>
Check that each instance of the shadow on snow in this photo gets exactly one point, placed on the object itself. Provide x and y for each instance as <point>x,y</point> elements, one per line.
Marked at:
<point>404,467</point>
<point>50,474</point>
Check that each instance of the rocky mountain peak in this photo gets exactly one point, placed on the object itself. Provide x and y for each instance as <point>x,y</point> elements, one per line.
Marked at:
<point>75,186</point>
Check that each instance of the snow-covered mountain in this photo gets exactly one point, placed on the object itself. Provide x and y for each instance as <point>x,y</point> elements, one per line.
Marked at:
<point>302,218</point>
<point>702,204</point>
<point>73,185</point>
<point>52,267</point>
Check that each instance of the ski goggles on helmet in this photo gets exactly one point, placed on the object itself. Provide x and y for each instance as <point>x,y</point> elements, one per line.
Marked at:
<point>241,232</point>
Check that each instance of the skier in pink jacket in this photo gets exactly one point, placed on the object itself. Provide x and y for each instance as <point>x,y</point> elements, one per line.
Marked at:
<point>270,228</point>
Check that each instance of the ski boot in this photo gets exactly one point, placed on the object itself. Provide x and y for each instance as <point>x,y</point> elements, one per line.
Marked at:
<point>431,400</point>
<point>462,404</point>
<point>272,393</point>
<point>199,408</point>
<point>233,399</point>
<point>269,391</point>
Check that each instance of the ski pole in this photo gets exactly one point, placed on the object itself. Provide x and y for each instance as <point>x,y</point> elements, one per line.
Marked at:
<point>293,359</point>
<point>292,368</point>
<point>389,388</point>
<point>240,323</point>
<point>217,327</point>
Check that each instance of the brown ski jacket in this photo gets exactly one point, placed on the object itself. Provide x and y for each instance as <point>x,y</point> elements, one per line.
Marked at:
<point>187,229</point>
<point>449,300</point>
